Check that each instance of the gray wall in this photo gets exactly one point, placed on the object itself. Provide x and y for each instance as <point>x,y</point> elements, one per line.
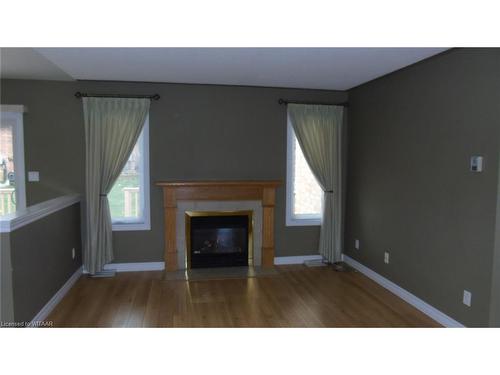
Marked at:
<point>6,297</point>
<point>196,132</point>
<point>409,189</point>
<point>42,259</point>
<point>494,320</point>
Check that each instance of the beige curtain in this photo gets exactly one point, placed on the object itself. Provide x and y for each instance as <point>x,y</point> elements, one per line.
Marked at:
<point>112,127</point>
<point>319,132</point>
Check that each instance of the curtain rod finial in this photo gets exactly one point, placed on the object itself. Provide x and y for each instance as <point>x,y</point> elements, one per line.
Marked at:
<point>78,94</point>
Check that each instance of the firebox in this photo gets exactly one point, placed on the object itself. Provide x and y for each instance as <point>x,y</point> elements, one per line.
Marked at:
<point>218,239</point>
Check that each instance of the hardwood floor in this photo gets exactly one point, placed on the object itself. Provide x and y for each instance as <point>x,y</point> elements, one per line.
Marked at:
<point>296,297</point>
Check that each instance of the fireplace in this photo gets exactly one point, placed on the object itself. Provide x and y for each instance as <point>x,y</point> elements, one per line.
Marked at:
<point>179,193</point>
<point>218,239</point>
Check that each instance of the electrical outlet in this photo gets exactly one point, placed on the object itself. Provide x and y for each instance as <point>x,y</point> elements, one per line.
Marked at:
<point>386,257</point>
<point>73,253</point>
<point>467,300</point>
<point>356,244</point>
<point>33,176</point>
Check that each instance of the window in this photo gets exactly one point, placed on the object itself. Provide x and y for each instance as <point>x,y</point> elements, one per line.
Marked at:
<point>129,197</point>
<point>304,196</point>
<point>12,179</point>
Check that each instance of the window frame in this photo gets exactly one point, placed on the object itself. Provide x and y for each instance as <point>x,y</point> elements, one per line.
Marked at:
<point>145,224</point>
<point>16,112</point>
<point>291,219</point>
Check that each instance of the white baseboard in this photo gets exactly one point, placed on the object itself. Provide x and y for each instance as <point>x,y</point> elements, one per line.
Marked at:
<point>135,267</point>
<point>49,306</point>
<point>413,300</point>
<point>296,259</point>
<point>160,266</point>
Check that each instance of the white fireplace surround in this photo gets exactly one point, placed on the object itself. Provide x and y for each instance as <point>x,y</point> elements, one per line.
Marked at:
<point>183,206</point>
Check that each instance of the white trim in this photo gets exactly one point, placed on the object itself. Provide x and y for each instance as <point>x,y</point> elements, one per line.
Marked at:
<point>291,220</point>
<point>413,300</point>
<point>146,209</point>
<point>296,259</point>
<point>128,227</point>
<point>15,113</point>
<point>56,298</point>
<point>160,266</point>
<point>19,166</point>
<point>19,108</point>
<point>135,267</point>
<point>18,219</point>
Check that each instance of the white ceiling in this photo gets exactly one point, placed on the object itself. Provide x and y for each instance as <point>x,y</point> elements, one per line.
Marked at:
<point>315,68</point>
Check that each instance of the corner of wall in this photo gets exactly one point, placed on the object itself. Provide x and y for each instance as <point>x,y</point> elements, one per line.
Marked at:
<point>494,313</point>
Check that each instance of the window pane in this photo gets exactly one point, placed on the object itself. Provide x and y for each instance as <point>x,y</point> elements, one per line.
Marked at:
<point>7,176</point>
<point>307,194</point>
<point>126,196</point>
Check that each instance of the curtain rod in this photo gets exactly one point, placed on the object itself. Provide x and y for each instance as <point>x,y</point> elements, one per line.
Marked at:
<point>79,94</point>
<point>285,102</point>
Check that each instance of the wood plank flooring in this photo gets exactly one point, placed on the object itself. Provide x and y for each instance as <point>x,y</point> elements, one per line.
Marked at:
<point>296,297</point>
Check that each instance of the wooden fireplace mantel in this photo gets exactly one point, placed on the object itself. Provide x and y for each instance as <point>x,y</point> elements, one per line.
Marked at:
<point>174,191</point>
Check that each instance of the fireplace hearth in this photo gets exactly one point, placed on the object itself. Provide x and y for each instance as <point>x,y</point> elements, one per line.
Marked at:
<point>218,239</point>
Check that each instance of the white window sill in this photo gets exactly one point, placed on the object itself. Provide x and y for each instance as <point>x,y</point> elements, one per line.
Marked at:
<point>121,227</point>
<point>298,222</point>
